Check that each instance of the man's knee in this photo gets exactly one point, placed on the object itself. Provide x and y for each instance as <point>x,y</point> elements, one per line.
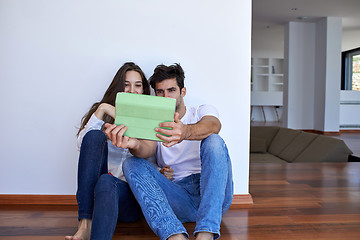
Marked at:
<point>213,148</point>
<point>213,141</point>
<point>129,163</point>
<point>133,164</point>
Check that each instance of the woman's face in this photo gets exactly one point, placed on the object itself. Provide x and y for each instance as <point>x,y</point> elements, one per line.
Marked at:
<point>133,83</point>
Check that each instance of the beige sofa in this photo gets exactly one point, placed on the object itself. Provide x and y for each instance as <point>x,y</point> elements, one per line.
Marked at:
<point>284,145</point>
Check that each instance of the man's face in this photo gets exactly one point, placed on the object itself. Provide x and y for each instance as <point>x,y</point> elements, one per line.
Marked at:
<point>169,88</point>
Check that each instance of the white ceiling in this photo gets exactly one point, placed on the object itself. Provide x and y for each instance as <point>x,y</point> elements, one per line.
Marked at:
<point>273,13</point>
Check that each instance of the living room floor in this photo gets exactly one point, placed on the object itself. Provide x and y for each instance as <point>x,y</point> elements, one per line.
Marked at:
<point>322,204</point>
<point>352,139</point>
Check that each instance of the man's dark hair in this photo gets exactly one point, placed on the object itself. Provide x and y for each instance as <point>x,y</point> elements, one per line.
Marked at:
<point>162,72</point>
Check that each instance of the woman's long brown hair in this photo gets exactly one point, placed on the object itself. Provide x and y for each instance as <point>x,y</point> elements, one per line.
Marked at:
<point>117,85</point>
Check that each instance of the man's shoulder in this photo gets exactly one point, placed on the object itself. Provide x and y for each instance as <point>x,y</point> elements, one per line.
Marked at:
<point>201,108</point>
<point>207,110</point>
<point>195,114</point>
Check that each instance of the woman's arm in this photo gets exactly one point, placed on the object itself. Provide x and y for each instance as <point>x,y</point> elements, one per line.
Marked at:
<point>95,122</point>
<point>103,109</point>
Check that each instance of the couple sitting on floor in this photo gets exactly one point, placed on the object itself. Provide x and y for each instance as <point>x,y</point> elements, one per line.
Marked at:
<point>119,177</point>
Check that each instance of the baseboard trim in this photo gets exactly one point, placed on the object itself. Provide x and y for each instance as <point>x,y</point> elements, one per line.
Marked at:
<point>239,201</point>
<point>242,201</point>
<point>30,199</point>
<point>322,132</point>
<point>350,131</point>
<point>332,133</point>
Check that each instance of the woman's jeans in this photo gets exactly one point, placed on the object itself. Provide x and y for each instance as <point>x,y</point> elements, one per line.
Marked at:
<point>201,198</point>
<point>114,202</point>
<point>100,196</point>
<point>92,164</point>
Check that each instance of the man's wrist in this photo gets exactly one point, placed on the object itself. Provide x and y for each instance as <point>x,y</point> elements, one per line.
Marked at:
<point>187,131</point>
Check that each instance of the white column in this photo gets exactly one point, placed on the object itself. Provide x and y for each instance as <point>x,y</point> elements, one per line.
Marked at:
<point>328,74</point>
<point>299,75</point>
<point>312,75</point>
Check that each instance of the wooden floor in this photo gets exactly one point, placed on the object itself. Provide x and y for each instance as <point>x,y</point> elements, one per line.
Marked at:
<point>291,201</point>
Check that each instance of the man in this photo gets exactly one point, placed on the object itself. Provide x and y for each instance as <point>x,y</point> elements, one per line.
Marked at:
<point>201,190</point>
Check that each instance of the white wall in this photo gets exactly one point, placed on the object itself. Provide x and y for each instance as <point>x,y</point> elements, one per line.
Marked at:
<point>58,57</point>
<point>350,39</point>
<point>299,77</point>
<point>268,42</point>
<point>349,109</point>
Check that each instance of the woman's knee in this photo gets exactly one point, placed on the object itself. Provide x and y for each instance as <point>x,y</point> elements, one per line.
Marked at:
<point>106,183</point>
<point>94,136</point>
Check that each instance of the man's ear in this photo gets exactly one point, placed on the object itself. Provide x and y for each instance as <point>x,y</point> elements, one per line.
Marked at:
<point>183,91</point>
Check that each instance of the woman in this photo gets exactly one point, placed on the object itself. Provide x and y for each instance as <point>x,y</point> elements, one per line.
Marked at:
<point>103,195</point>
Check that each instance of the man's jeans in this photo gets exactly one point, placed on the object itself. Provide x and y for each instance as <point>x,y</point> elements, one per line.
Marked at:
<point>201,198</point>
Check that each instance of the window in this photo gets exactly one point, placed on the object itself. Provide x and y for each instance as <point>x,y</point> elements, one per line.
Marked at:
<point>350,75</point>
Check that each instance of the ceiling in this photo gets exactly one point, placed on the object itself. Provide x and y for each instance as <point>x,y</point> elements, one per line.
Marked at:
<point>277,13</point>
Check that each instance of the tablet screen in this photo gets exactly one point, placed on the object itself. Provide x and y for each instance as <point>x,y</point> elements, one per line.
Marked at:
<point>143,113</point>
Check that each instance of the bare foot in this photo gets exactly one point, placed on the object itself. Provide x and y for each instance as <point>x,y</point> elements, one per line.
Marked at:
<point>179,236</point>
<point>83,232</point>
<point>205,236</point>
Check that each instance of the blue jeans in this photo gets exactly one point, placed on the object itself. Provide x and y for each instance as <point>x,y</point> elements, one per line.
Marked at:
<point>201,198</point>
<point>114,202</point>
<point>92,164</point>
<point>100,196</point>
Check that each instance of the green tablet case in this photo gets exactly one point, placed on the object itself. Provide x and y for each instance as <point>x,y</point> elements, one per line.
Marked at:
<point>143,113</point>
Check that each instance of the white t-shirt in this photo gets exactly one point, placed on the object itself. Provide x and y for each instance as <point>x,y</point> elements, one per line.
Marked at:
<point>184,157</point>
<point>116,156</point>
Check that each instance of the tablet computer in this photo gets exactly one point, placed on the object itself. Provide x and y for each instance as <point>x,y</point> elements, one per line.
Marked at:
<point>143,113</point>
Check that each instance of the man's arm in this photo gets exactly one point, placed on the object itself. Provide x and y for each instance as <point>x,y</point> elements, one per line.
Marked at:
<point>179,132</point>
<point>138,148</point>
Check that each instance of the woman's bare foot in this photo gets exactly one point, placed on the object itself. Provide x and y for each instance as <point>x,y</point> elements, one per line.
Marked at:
<point>83,232</point>
<point>204,236</point>
<point>179,236</point>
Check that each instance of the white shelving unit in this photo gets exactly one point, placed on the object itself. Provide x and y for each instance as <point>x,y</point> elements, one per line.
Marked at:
<point>267,74</point>
<point>267,85</point>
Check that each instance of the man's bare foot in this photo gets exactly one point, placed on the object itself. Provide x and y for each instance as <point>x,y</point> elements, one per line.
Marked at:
<point>204,236</point>
<point>83,232</point>
<point>179,236</point>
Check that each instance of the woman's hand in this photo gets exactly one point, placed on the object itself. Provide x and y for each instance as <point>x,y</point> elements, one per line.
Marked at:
<point>116,135</point>
<point>105,108</point>
<point>168,172</point>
